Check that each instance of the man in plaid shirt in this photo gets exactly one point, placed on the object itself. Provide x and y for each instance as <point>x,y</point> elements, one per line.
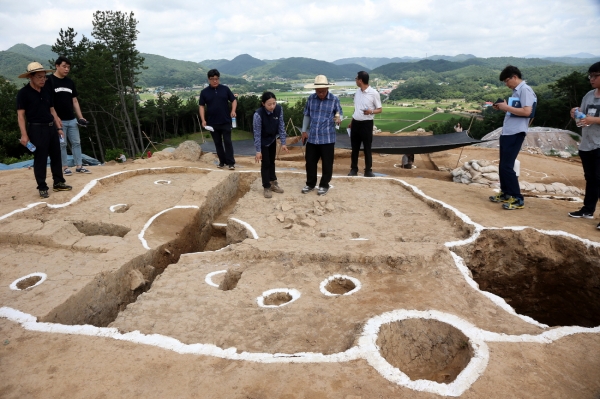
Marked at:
<point>321,114</point>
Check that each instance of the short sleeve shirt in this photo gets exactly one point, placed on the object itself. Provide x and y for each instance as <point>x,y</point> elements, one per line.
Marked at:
<point>216,100</point>
<point>516,124</point>
<point>36,104</point>
<point>590,105</point>
<point>63,91</point>
<point>369,99</point>
<point>322,113</point>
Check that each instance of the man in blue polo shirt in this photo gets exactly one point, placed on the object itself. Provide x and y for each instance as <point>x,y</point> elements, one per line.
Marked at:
<point>216,98</point>
<point>519,110</point>
<point>322,112</point>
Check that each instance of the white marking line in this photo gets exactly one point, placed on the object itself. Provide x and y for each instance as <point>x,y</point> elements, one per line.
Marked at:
<point>114,207</point>
<point>295,294</point>
<point>357,285</point>
<point>367,348</point>
<point>42,276</point>
<point>359,239</point>
<point>209,276</point>
<point>21,210</point>
<point>162,182</point>
<point>149,222</point>
<point>248,227</point>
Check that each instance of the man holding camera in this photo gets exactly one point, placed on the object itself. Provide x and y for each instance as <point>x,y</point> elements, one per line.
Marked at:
<point>519,110</point>
<point>66,105</point>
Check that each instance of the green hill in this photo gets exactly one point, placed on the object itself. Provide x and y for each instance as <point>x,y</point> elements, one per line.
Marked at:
<point>12,65</point>
<point>304,68</point>
<point>240,64</point>
<point>41,53</point>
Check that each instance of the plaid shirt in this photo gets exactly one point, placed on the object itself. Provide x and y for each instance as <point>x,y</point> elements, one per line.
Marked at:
<point>321,113</point>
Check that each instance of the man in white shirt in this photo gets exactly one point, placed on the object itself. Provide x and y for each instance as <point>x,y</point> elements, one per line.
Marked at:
<point>367,103</point>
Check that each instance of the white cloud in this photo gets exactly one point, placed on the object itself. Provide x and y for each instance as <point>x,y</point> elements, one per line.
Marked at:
<point>326,30</point>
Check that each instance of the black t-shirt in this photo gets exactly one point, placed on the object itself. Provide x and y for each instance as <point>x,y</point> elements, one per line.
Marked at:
<point>217,102</point>
<point>63,91</point>
<point>36,104</point>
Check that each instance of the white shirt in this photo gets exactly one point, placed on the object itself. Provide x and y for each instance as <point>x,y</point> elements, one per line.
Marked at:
<point>368,99</point>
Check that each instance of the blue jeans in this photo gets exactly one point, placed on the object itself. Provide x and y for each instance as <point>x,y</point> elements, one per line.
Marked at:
<point>71,132</point>
<point>510,146</point>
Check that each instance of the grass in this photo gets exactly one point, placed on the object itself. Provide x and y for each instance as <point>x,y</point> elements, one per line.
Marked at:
<point>197,137</point>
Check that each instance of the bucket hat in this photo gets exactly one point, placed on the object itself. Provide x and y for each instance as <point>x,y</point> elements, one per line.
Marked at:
<point>320,83</point>
<point>34,67</point>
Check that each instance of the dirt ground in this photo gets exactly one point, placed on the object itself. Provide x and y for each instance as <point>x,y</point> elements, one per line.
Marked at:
<point>168,278</point>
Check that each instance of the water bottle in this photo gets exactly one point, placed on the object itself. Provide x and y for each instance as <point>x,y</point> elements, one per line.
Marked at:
<point>233,123</point>
<point>30,146</point>
<point>578,117</point>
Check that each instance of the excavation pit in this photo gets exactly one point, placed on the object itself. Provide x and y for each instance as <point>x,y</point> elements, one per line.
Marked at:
<point>337,285</point>
<point>230,280</point>
<point>425,349</point>
<point>277,299</point>
<point>552,279</point>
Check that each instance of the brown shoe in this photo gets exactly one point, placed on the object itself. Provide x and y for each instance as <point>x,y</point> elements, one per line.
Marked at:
<point>275,187</point>
<point>267,192</point>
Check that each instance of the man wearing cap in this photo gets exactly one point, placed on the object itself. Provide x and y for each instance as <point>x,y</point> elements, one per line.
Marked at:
<point>367,103</point>
<point>322,112</point>
<point>39,124</point>
<point>65,102</point>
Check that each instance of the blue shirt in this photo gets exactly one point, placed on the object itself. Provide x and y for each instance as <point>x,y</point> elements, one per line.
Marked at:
<point>216,100</point>
<point>321,113</point>
<point>257,128</point>
<point>516,124</point>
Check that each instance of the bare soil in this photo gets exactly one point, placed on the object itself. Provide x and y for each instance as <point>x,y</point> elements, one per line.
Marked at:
<point>145,266</point>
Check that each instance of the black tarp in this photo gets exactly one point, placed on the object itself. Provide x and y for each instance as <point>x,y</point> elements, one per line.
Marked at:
<point>381,144</point>
<point>412,144</point>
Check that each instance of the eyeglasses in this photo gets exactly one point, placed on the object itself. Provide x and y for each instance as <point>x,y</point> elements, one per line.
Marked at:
<point>507,79</point>
<point>593,76</point>
<point>214,79</point>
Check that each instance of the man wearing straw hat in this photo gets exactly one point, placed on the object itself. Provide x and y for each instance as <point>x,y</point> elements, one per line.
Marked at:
<point>322,112</point>
<point>40,125</point>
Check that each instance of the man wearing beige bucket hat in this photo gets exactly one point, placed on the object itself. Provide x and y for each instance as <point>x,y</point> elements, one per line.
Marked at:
<point>40,126</point>
<point>322,112</point>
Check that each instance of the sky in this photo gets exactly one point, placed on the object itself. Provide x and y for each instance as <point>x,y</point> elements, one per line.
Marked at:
<point>327,30</point>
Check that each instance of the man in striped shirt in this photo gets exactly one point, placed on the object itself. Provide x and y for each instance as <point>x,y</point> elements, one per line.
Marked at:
<point>321,114</point>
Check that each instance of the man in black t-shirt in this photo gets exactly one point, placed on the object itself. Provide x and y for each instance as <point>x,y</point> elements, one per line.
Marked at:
<point>66,106</point>
<point>217,97</point>
<point>40,125</point>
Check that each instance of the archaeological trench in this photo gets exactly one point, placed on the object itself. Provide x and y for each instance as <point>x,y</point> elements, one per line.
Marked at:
<point>412,286</point>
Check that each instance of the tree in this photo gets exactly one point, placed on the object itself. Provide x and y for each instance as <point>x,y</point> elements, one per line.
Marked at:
<point>9,128</point>
<point>118,32</point>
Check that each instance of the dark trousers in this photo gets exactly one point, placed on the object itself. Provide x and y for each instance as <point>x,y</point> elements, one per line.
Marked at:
<point>590,160</point>
<point>361,133</point>
<point>509,149</point>
<point>314,152</point>
<point>222,139</point>
<point>267,165</point>
<point>45,138</point>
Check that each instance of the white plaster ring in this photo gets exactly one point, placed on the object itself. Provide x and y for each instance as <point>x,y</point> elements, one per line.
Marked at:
<point>42,277</point>
<point>295,294</point>
<point>368,345</point>
<point>113,208</point>
<point>209,276</point>
<point>162,182</point>
<point>357,285</point>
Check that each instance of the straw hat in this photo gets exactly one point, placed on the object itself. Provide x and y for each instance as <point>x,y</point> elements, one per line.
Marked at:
<point>34,67</point>
<point>321,82</point>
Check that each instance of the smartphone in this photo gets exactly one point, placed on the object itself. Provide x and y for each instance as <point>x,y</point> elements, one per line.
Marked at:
<point>499,101</point>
